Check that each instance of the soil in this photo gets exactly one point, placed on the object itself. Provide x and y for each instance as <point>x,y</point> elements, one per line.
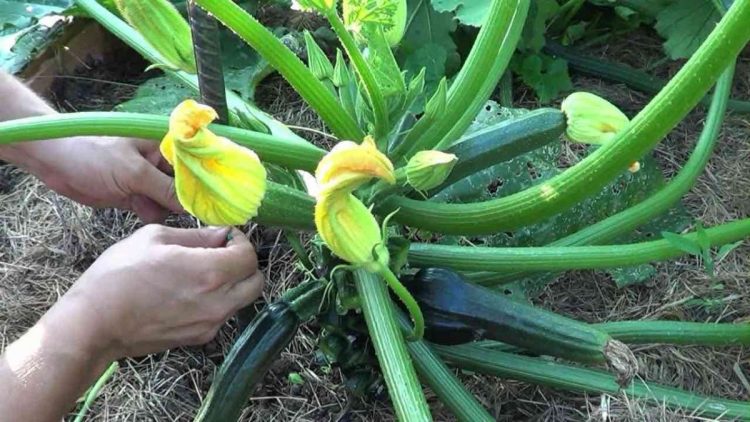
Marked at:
<point>46,241</point>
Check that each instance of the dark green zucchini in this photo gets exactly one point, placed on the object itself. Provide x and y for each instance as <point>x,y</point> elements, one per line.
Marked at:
<point>504,141</point>
<point>456,311</point>
<point>247,363</point>
<point>621,73</point>
<point>256,350</point>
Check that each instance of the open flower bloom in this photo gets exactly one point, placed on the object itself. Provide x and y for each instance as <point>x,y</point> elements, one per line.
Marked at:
<point>428,169</point>
<point>344,223</point>
<point>216,180</point>
<point>593,120</point>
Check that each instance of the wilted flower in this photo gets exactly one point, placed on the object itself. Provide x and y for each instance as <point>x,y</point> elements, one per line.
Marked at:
<point>428,169</point>
<point>216,180</point>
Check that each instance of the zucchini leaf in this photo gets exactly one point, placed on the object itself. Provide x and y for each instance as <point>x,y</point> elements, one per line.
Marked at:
<point>158,95</point>
<point>27,28</point>
<point>685,24</point>
<point>468,12</point>
<point>428,43</point>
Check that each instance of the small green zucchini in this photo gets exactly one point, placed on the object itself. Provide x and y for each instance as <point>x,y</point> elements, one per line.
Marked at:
<point>256,350</point>
<point>457,312</point>
<point>247,363</point>
<point>504,141</point>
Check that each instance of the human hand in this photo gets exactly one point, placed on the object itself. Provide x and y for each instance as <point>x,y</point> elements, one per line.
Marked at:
<point>162,288</point>
<point>107,172</point>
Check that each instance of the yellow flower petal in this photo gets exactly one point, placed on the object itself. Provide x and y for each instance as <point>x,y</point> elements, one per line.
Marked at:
<point>349,229</point>
<point>216,180</point>
<point>344,223</point>
<point>349,165</point>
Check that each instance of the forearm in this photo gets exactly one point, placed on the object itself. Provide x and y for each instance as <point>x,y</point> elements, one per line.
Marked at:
<point>48,368</point>
<point>20,101</point>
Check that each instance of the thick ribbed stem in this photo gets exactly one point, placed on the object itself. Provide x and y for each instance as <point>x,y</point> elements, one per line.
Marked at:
<point>678,332</point>
<point>587,177</point>
<point>629,219</point>
<point>292,153</point>
<point>395,363</point>
<point>374,93</point>
<point>561,258</point>
<point>282,59</point>
<point>556,375</point>
<point>442,381</point>
<point>475,81</point>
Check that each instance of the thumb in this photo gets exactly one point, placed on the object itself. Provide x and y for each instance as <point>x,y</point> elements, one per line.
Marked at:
<point>206,237</point>
<point>158,187</point>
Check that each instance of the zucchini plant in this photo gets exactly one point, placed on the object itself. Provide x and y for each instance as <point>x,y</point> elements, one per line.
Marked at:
<point>376,192</point>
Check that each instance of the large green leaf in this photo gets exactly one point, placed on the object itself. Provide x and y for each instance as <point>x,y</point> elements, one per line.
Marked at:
<point>244,68</point>
<point>468,12</point>
<point>22,34</point>
<point>158,95</point>
<point>537,166</point>
<point>428,43</point>
<point>685,24</point>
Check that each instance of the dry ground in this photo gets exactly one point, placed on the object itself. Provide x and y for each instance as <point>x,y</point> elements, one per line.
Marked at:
<point>46,241</point>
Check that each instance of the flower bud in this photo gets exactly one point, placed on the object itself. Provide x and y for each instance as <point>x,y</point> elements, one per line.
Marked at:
<point>428,169</point>
<point>592,119</point>
<point>159,22</point>
<point>216,180</point>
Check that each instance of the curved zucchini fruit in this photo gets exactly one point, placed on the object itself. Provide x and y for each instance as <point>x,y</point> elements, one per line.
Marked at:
<point>622,73</point>
<point>504,141</point>
<point>456,312</point>
<point>256,350</point>
<point>247,363</point>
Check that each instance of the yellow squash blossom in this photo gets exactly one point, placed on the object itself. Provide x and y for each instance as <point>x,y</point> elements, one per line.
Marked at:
<point>216,180</point>
<point>593,120</point>
<point>344,223</point>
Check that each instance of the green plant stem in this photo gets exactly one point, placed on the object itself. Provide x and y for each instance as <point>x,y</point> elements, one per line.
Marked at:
<point>587,177</point>
<point>678,332</point>
<point>286,62</point>
<point>94,390</point>
<point>417,332</point>
<point>395,363</point>
<point>629,219</point>
<point>484,66</point>
<point>363,69</point>
<point>259,120</point>
<point>562,258</point>
<point>296,154</point>
<point>556,375</point>
<point>433,372</point>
